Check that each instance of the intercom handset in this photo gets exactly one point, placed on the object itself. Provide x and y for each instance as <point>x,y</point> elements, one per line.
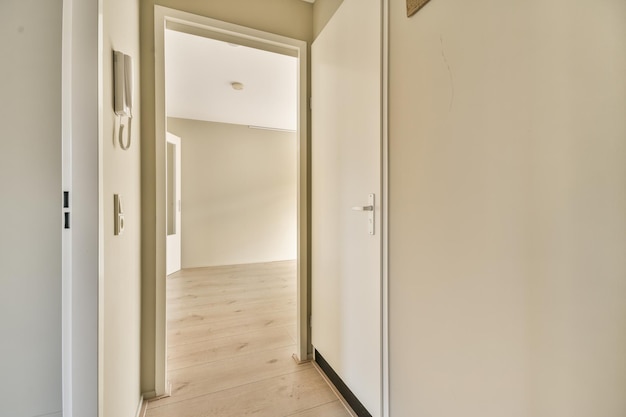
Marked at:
<point>123,92</point>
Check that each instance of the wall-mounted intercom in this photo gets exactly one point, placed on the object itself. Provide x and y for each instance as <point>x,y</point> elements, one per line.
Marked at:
<point>123,93</point>
<point>118,215</point>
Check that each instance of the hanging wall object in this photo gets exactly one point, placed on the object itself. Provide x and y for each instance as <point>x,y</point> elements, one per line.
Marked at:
<point>412,6</point>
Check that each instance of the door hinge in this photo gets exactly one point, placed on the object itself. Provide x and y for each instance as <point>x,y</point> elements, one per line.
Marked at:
<point>311,103</point>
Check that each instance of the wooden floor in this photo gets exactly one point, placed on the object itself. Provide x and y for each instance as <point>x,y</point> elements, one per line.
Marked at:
<point>231,336</point>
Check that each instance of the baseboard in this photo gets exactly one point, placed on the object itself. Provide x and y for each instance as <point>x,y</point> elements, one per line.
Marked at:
<point>152,396</point>
<point>141,408</point>
<point>298,361</point>
<point>349,397</point>
<point>334,389</point>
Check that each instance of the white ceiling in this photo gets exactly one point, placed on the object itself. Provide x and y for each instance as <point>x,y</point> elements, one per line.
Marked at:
<point>198,76</point>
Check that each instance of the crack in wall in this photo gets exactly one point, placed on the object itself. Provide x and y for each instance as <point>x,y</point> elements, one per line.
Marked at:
<point>445,60</point>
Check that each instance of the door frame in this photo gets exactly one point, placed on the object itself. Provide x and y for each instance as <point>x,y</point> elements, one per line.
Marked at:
<point>385,397</point>
<point>205,26</point>
<point>82,244</point>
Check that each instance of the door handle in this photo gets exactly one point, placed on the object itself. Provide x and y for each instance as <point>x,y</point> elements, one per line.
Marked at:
<point>370,212</point>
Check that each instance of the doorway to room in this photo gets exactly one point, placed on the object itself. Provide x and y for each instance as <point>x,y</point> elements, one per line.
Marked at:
<point>234,109</point>
<point>212,238</point>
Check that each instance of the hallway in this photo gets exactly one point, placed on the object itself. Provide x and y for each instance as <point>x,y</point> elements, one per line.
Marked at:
<point>231,335</point>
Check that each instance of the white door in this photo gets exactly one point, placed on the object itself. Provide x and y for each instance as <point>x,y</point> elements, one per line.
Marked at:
<point>30,208</point>
<point>173,245</point>
<point>346,169</point>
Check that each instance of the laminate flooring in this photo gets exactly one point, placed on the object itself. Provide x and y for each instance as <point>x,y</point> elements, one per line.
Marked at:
<point>231,336</point>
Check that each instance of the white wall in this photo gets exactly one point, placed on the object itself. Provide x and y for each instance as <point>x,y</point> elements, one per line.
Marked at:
<point>238,193</point>
<point>30,206</point>
<point>507,209</point>
<point>121,283</point>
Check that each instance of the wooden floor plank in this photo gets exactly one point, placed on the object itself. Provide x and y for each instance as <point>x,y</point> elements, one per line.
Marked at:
<point>193,301</point>
<point>208,314</point>
<point>231,327</point>
<point>231,303</point>
<point>279,396</point>
<point>217,376</point>
<point>333,409</point>
<point>228,347</point>
<point>231,336</point>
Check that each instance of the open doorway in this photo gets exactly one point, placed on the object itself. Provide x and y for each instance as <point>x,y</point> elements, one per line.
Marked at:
<point>235,109</point>
<point>187,24</point>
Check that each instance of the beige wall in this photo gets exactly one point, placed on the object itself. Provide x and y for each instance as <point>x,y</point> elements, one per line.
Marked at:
<point>283,17</point>
<point>323,11</point>
<point>238,193</point>
<point>507,209</point>
<point>120,288</point>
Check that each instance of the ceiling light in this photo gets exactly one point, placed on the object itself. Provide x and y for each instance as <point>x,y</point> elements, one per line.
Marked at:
<point>236,85</point>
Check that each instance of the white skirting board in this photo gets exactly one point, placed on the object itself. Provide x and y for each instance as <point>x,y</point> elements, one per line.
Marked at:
<point>335,390</point>
<point>142,407</point>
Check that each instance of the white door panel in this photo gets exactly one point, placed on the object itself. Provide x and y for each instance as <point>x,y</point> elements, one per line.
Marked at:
<point>346,169</point>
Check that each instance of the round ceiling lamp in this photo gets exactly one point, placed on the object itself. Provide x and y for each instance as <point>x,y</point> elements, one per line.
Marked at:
<point>237,85</point>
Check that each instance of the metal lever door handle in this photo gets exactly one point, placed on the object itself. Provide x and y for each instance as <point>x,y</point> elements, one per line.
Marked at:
<point>370,212</point>
<point>363,208</point>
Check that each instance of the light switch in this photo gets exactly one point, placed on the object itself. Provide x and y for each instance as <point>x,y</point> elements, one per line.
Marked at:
<point>118,215</point>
